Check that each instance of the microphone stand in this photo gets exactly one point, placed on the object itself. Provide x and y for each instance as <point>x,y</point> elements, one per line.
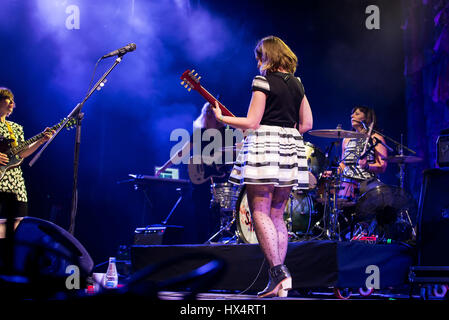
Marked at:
<point>76,113</point>
<point>400,150</point>
<point>399,145</point>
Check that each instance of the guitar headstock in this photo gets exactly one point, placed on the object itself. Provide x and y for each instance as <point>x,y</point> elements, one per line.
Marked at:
<point>69,125</point>
<point>190,80</point>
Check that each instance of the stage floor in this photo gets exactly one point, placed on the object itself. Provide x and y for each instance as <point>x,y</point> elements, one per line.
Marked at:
<point>240,268</point>
<point>314,295</point>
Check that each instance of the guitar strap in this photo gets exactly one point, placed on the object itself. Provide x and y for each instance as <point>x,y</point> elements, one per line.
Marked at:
<point>12,135</point>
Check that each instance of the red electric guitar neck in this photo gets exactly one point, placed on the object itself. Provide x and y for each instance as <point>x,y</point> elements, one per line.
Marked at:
<point>192,81</point>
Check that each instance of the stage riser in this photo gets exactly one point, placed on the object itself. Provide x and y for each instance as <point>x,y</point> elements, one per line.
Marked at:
<point>313,264</point>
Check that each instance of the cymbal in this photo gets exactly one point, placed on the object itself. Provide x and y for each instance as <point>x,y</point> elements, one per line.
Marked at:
<point>403,159</point>
<point>337,133</point>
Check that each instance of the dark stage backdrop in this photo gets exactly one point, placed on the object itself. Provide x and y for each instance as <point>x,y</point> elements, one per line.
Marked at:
<point>426,42</point>
<point>49,49</point>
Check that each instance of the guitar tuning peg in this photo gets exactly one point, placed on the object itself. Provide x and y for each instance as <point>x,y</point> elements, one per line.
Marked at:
<point>189,89</point>
<point>191,72</point>
<point>199,78</point>
<point>196,74</point>
<point>182,83</point>
<point>186,86</point>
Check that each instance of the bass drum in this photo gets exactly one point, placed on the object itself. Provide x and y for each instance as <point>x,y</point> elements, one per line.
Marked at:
<point>390,209</point>
<point>298,216</point>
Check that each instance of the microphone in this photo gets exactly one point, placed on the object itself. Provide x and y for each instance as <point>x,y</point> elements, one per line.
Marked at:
<point>362,123</point>
<point>128,48</point>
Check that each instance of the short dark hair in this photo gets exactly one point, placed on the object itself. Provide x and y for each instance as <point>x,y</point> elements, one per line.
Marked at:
<point>6,93</point>
<point>370,115</point>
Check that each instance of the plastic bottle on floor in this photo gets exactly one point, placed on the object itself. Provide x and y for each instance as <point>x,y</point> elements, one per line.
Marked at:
<point>110,280</point>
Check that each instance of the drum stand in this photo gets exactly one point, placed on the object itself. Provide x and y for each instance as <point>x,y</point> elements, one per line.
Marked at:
<point>225,226</point>
<point>331,226</point>
<point>333,231</point>
<point>331,213</point>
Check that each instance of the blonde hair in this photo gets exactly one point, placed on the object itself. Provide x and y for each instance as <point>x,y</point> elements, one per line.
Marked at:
<point>206,114</point>
<point>274,54</point>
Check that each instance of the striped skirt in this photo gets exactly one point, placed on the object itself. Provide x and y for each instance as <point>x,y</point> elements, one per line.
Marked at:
<point>272,155</point>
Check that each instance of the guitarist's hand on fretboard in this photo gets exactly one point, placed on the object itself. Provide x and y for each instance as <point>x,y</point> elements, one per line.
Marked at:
<point>3,159</point>
<point>16,153</point>
<point>217,111</point>
<point>48,133</point>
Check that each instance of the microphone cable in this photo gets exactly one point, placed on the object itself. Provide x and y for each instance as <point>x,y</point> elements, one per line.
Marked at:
<point>93,74</point>
<point>254,281</point>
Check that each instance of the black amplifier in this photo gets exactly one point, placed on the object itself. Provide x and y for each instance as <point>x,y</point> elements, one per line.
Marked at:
<point>443,151</point>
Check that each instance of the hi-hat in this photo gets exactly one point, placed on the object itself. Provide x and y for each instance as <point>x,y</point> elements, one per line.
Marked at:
<point>337,133</point>
<point>403,159</point>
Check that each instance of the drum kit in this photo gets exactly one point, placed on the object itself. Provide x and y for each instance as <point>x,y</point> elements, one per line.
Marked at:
<point>334,207</point>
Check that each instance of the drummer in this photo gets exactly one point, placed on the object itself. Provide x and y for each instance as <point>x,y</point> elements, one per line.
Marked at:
<point>355,164</point>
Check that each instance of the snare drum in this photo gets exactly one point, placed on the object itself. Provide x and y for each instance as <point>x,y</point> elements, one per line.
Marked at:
<point>348,192</point>
<point>225,195</point>
<point>298,216</point>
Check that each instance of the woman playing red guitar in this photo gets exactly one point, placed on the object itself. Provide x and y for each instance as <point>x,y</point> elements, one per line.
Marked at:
<point>273,158</point>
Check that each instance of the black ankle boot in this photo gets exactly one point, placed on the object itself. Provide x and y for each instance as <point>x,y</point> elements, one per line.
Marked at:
<point>279,282</point>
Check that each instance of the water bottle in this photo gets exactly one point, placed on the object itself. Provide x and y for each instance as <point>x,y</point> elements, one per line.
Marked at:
<point>111,277</point>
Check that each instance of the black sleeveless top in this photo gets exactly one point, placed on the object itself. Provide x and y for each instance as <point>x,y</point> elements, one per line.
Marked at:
<point>284,96</point>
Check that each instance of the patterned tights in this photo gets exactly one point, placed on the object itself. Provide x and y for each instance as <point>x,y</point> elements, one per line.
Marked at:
<point>267,204</point>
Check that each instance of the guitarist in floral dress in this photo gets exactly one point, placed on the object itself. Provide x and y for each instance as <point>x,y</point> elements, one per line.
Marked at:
<point>13,194</point>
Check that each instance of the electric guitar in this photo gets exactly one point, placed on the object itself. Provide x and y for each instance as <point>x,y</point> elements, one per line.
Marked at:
<point>192,81</point>
<point>200,173</point>
<point>208,168</point>
<point>13,152</point>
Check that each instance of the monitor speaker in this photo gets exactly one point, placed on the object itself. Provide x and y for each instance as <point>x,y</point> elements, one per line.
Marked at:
<point>41,254</point>
<point>433,219</point>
